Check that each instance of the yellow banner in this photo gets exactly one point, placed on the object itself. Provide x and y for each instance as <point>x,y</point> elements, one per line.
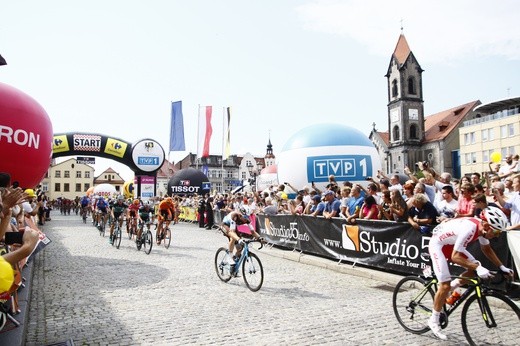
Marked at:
<point>188,214</point>
<point>60,144</point>
<point>115,147</point>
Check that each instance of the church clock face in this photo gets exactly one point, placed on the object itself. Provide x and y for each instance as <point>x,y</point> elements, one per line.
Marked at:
<point>394,115</point>
<point>413,114</point>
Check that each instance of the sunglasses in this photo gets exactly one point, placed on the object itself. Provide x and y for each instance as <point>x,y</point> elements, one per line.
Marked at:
<point>495,231</point>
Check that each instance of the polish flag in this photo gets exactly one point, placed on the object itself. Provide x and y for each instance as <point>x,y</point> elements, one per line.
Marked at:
<point>205,131</point>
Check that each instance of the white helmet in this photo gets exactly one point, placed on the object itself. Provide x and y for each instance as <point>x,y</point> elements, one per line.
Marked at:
<point>495,217</point>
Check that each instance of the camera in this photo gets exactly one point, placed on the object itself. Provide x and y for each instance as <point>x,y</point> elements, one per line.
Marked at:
<point>368,178</point>
<point>13,238</point>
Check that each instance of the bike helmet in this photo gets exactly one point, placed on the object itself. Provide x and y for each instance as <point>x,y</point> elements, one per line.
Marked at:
<point>120,198</point>
<point>495,217</point>
<point>136,201</point>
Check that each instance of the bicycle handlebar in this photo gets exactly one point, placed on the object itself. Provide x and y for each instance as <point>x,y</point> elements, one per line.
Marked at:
<point>261,241</point>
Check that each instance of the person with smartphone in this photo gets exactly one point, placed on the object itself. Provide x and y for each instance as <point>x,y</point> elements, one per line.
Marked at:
<point>10,197</point>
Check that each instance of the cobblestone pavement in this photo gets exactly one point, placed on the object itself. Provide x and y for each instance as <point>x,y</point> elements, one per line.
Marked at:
<point>86,290</point>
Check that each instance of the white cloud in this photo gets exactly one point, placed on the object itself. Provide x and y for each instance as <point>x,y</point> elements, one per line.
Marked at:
<point>440,31</point>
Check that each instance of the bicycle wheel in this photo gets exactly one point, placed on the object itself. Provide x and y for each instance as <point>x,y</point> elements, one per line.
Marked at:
<point>253,272</point>
<point>117,240</point>
<point>501,324</point>
<point>413,304</point>
<point>147,240</point>
<point>131,232</point>
<point>222,266</point>
<point>102,229</point>
<point>167,237</point>
<point>139,241</point>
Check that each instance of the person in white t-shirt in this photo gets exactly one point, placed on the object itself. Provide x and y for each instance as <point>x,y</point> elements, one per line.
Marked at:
<point>447,207</point>
<point>507,168</point>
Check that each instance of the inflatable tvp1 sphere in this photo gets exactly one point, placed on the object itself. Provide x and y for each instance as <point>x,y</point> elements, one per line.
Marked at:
<point>316,152</point>
<point>25,137</point>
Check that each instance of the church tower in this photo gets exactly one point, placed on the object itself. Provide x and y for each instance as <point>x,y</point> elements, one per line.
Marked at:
<point>405,107</point>
<point>269,156</point>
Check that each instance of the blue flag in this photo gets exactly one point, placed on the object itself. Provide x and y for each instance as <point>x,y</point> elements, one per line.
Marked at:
<point>177,128</point>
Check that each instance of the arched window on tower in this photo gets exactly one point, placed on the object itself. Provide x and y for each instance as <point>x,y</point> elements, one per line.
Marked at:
<point>413,131</point>
<point>411,86</point>
<point>394,88</point>
<point>395,133</point>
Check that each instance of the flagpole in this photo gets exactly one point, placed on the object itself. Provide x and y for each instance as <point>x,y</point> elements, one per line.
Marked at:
<point>223,143</point>
<point>198,140</point>
<point>169,144</point>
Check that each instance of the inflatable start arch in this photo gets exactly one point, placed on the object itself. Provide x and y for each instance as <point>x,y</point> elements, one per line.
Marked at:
<point>145,157</point>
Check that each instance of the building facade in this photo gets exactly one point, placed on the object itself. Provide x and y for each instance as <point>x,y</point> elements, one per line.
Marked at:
<point>231,173</point>
<point>70,179</point>
<point>495,128</point>
<point>67,179</point>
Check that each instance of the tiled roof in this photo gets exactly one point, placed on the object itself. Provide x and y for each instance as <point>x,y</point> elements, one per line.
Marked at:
<point>438,126</point>
<point>402,50</point>
<point>166,170</point>
<point>441,124</point>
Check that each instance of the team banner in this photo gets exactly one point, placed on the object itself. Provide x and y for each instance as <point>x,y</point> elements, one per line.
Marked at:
<point>386,245</point>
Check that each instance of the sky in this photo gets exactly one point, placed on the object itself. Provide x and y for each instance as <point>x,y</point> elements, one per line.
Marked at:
<point>114,67</point>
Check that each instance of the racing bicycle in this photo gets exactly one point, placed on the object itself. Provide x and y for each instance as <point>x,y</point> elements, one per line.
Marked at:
<point>146,238</point>
<point>132,228</point>
<point>488,316</point>
<point>252,269</point>
<point>116,236</point>
<point>165,235</point>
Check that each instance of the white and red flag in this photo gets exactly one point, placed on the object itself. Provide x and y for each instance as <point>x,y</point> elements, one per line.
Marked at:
<point>205,131</point>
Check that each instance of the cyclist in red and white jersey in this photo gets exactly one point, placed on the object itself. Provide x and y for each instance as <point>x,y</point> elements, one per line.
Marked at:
<point>449,243</point>
<point>132,213</point>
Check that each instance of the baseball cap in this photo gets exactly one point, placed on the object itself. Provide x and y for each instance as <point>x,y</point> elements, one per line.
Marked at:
<point>328,193</point>
<point>30,193</point>
<point>6,275</point>
<point>316,198</point>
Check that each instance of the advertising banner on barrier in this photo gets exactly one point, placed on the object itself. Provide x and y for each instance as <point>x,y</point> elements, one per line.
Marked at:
<point>385,245</point>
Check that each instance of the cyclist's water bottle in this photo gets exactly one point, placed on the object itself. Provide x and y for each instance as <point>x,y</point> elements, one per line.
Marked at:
<point>453,297</point>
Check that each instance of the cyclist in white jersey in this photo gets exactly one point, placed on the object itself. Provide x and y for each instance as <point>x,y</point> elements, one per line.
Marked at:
<point>449,242</point>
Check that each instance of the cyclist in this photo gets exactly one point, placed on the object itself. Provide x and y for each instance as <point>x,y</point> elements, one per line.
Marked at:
<point>145,215</point>
<point>449,242</point>
<point>102,211</point>
<point>132,215</point>
<point>85,203</point>
<point>230,223</point>
<point>165,212</point>
<point>117,209</point>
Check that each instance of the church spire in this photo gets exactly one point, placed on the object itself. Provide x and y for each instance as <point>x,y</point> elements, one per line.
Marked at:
<point>269,156</point>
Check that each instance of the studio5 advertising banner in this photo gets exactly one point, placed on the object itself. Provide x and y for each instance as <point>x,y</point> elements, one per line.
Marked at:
<point>386,245</point>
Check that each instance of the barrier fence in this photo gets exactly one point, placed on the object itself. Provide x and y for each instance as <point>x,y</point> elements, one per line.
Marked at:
<point>383,245</point>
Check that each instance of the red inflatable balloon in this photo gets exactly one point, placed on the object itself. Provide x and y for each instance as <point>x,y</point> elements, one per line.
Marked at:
<point>25,137</point>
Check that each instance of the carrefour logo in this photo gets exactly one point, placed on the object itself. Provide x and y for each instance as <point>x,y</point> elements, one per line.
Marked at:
<point>343,167</point>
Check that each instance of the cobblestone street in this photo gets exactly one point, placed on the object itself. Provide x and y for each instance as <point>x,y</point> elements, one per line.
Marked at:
<point>88,291</point>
